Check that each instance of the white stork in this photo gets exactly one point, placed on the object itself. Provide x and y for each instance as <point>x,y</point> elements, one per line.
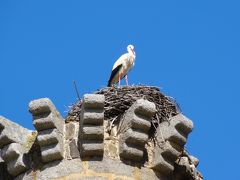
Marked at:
<point>122,66</point>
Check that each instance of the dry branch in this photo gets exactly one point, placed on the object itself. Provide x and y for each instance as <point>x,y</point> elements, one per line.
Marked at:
<point>118,100</point>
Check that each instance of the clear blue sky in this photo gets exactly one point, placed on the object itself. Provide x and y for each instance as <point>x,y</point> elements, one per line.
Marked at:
<point>189,48</point>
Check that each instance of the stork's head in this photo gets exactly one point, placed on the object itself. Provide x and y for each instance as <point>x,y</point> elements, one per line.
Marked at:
<point>130,49</point>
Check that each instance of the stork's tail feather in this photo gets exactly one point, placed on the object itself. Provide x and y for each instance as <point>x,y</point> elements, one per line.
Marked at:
<point>109,84</point>
<point>113,74</point>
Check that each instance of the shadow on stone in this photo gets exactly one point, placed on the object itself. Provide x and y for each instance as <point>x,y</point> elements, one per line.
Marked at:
<point>4,175</point>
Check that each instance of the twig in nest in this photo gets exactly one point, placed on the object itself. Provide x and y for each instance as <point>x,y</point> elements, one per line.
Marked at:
<point>111,124</point>
<point>118,100</point>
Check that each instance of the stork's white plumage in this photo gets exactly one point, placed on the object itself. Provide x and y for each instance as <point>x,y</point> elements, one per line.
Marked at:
<point>122,66</point>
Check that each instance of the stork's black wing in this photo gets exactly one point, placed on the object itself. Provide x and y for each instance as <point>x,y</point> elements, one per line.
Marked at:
<point>114,72</point>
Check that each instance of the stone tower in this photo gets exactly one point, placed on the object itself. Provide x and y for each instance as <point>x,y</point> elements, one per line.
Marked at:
<point>127,147</point>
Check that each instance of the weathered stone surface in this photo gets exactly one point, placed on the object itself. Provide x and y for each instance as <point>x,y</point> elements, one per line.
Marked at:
<point>91,129</point>
<point>164,158</point>
<point>183,161</point>
<point>92,149</point>
<point>127,143</point>
<point>140,122</point>
<point>149,174</point>
<point>11,151</point>
<point>48,122</point>
<point>111,166</point>
<point>11,132</point>
<point>71,143</point>
<point>52,152</point>
<point>135,137</point>
<point>18,165</point>
<point>42,106</point>
<point>135,118</point>
<point>16,161</point>
<point>74,152</point>
<point>92,178</point>
<point>177,129</point>
<point>145,108</point>
<point>92,133</point>
<point>93,118</point>
<point>93,101</point>
<point>132,152</point>
<point>4,175</point>
<point>194,160</point>
<point>26,176</point>
<point>61,169</point>
<point>50,125</point>
<point>45,115</point>
<point>134,129</point>
<point>49,136</point>
<point>14,143</point>
<point>185,170</point>
<point>70,131</point>
<point>55,169</point>
<point>171,136</point>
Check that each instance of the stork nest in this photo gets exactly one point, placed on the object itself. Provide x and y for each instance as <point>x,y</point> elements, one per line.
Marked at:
<point>118,100</point>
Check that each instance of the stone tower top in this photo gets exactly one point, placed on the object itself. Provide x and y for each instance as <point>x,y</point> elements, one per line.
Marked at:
<point>125,133</point>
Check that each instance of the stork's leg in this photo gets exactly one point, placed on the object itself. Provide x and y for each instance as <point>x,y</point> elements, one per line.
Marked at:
<point>126,78</point>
